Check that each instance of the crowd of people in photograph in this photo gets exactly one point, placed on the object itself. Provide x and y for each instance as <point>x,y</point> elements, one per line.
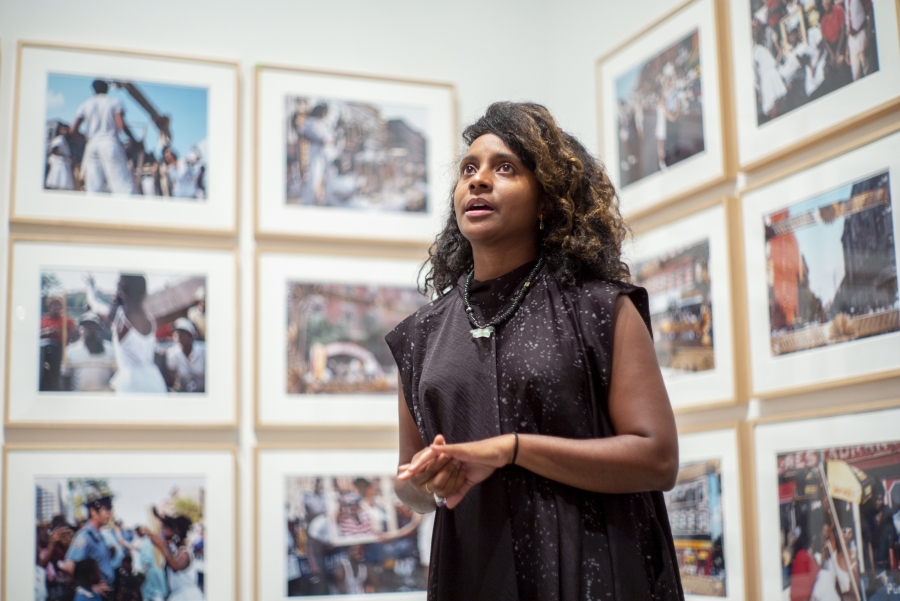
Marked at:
<point>804,49</point>
<point>660,120</point>
<point>119,347</point>
<point>100,559</point>
<point>822,558</point>
<point>89,155</point>
<point>369,543</point>
<point>347,154</point>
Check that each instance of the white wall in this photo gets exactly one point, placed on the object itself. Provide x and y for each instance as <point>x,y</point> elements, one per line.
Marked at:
<point>499,50</point>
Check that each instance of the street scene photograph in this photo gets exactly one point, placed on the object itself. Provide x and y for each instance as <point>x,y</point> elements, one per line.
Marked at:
<point>118,332</point>
<point>126,137</point>
<point>358,155</point>
<point>351,535</point>
<point>832,268</point>
<point>335,336</point>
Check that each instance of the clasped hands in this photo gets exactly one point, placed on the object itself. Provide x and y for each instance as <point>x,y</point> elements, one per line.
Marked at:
<point>449,471</point>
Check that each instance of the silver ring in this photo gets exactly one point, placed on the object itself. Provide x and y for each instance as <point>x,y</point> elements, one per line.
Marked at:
<point>428,490</point>
<point>439,501</point>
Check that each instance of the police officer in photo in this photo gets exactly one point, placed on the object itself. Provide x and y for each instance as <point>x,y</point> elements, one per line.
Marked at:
<point>89,543</point>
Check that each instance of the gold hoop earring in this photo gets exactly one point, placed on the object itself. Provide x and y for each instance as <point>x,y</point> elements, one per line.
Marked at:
<point>541,221</point>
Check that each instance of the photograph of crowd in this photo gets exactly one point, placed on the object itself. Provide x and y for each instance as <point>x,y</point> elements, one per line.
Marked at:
<point>122,333</point>
<point>832,268</point>
<point>660,111</point>
<point>359,155</point>
<point>335,336</point>
<point>805,49</point>
<point>119,539</point>
<point>695,514</point>
<point>114,136</point>
<point>680,308</point>
<point>840,519</point>
<point>350,535</point>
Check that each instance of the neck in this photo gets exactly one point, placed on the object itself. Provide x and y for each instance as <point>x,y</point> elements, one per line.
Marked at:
<point>492,261</point>
<point>95,523</point>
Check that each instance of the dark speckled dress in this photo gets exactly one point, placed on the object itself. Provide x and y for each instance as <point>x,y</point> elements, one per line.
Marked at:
<point>517,535</point>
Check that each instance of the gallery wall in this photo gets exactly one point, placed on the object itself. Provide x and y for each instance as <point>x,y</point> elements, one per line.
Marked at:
<point>541,51</point>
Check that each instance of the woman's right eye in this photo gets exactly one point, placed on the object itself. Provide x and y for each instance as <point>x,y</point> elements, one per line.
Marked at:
<point>469,169</point>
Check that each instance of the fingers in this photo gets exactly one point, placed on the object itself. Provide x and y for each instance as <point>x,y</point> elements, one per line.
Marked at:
<point>446,481</point>
<point>454,499</point>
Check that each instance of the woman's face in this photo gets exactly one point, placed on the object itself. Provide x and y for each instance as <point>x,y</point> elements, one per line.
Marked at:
<point>497,198</point>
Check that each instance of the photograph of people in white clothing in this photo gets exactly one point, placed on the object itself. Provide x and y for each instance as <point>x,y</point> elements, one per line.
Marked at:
<point>335,336</point>
<point>805,49</point>
<point>350,535</point>
<point>120,538</point>
<point>356,155</point>
<point>122,333</point>
<point>660,111</point>
<point>113,136</point>
<point>840,522</point>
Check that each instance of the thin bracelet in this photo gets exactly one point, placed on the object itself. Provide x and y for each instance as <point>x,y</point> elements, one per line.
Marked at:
<point>515,450</point>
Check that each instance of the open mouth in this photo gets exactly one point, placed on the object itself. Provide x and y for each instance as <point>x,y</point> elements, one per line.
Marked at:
<point>476,206</point>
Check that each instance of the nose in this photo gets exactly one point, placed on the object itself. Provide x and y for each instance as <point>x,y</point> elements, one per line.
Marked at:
<point>481,180</point>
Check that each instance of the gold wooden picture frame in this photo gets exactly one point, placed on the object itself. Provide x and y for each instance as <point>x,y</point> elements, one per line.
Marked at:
<point>653,84</point>
<point>218,499</point>
<point>180,116</point>
<point>214,405</point>
<point>325,184</point>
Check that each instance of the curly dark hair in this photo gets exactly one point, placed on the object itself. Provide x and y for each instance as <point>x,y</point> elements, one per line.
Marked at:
<point>584,230</point>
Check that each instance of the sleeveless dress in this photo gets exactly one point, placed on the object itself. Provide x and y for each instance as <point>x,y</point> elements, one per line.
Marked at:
<point>518,535</point>
<point>137,370</point>
<point>183,584</point>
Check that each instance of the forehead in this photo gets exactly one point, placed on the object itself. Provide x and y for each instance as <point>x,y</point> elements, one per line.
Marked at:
<point>489,146</point>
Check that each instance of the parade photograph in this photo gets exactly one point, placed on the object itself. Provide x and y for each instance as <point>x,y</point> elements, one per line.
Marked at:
<point>351,535</point>
<point>335,336</point>
<point>695,514</point>
<point>678,284</point>
<point>120,538</point>
<point>125,137</point>
<point>660,111</point>
<point>357,155</point>
<point>839,511</point>
<point>832,268</point>
<point>806,49</point>
<point>118,332</point>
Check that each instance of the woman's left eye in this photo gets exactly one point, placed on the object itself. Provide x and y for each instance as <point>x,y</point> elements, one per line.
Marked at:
<point>505,167</point>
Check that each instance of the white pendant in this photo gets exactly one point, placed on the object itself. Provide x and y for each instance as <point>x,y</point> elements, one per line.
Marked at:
<point>484,332</point>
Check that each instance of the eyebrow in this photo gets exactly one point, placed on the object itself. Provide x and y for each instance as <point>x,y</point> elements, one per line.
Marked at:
<point>503,156</point>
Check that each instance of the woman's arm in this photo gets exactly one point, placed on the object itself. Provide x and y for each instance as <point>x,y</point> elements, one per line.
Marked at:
<point>178,561</point>
<point>642,456</point>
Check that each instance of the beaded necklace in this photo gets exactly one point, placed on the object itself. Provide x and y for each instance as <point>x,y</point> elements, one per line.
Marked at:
<point>485,331</point>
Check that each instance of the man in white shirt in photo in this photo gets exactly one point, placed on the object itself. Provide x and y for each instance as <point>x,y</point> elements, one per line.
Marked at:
<point>90,362</point>
<point>186,359</point>
<point>105,164</point>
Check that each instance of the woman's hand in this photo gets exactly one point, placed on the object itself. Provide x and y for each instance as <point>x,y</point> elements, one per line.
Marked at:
<point>431,472</point>
<point>476,460</point>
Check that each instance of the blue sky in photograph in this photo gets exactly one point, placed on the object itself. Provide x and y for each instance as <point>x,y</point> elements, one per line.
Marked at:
<point>186,107</point>
<point>821,245</point>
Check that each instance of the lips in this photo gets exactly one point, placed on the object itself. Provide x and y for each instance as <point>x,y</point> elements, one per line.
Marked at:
<point>478,206</point>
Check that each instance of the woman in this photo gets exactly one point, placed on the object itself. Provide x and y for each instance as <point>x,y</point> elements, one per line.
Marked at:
<point>173,544</point>
<point>540,429</point>
<point>134,336</point>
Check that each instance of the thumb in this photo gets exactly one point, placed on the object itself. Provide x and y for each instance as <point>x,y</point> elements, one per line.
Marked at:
<point>455,499</point>
<point>439,439</point>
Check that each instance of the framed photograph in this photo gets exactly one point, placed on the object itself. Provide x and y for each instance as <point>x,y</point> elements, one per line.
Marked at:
<point>125,140</point>
<point>93,520</point>
<point>661,121</point>
<point>684,267</point>
<point>114,334</point>
<point>828,507</point>
<point>807,69</point>
<point>705,515</point>
<point>322,322</point>
<point>330,524</point>
<point>348,156</point>
<point>821,254</point>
